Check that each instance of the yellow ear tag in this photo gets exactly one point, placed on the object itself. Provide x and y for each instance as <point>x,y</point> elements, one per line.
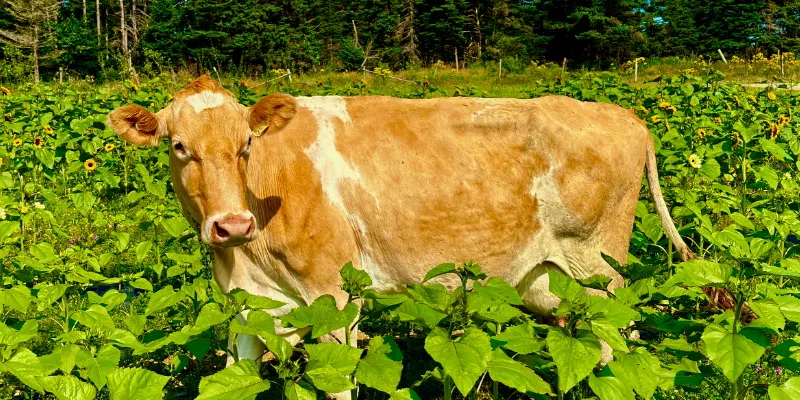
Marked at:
<point>261,132</point>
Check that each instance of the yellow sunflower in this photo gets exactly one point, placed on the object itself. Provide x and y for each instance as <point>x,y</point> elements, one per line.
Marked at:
<point>694,161</point>
<point>6,91</point>
<point>718,120</point>
<point>109,147</point>
<point>48,130</point>
<point>90,165</point>
<point>17,142</point>
<point>771,96</point>
<point>38,142</point>
<point>655,119</point>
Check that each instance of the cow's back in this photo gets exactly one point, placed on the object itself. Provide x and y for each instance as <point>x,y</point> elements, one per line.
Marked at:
<point>398,186</point>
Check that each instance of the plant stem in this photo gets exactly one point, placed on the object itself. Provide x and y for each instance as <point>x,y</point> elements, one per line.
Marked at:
<point>448,389</point>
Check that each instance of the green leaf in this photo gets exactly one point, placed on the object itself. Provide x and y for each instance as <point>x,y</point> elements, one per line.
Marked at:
<point>255,302</point>
<point>574,357</point>
<point>710,168</point>
<point>610,388</point>
<point>520,339</point>
<point>329,379</point>
<point>162,299</point>
<point>405,394</point>
<point>700,273</point>
<point>599,282</point>
<point>789,306</point>
<point>383,365</point>
<point>199,347</point>
<point>96,317</point>
<point>769,315</point>
<point>651,226</point>
<point>142,249</point>
<point>790,390</point>
<point>26,367</point>
<point>83,201</point>
<point>136,384</point>
<point>742,221</point>
<point>46,156</point>
<point>341,357</point>
<point>642,371</point>
<point>299,391</point>
<point>48,294</point>
<point>515,374</point>
<point>18,298</point>
<point>775,149</point>
<point>441,269</point>
<point>7,229</point>
<point>565,287</point>
<point>354,281</point>
<point>322,315</point>
<point>10,336</point>
<point>239,381</point>
<point>733,352</point>
<point>463,359</point>
<point>498,289</point>
<point>175,226</point>
<point>68,387</point>
<point>605,330</point>
<point>99,367</point>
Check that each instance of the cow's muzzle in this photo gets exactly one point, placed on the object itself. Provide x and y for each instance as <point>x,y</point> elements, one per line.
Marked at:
<point>231,229</point>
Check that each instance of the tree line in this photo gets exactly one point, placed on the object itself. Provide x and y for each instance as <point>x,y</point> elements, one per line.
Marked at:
<point>110,39</point>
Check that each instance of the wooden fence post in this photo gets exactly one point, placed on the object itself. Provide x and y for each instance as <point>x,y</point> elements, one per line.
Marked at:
<point>722,55</point>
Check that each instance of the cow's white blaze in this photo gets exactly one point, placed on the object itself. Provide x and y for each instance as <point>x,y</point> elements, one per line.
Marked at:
<point>205,100</point>
<point>327,160</point>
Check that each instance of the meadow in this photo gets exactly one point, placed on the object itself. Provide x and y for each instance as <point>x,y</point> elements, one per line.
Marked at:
<point>107,291</point>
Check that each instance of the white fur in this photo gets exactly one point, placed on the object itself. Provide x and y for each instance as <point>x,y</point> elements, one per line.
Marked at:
<point>327,160</point>
<point>205,100</point>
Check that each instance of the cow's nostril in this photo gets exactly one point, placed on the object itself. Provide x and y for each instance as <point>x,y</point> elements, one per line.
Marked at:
<point>221,233</point>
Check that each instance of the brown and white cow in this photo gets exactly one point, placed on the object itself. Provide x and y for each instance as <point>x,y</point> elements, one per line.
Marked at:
<point>290,189</point>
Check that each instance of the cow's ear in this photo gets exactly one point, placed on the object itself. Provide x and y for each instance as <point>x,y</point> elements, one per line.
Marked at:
<point>271,114</point>
<point>137,125</point>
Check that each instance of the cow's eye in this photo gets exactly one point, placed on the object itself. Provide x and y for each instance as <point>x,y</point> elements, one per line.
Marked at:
<point>246,148</point>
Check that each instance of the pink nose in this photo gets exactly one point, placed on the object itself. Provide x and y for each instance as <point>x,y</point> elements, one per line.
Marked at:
<point>233,230</point>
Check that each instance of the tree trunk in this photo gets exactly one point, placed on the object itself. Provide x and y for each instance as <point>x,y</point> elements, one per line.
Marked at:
<point>97,2</point>
<point>36,54</point>
<point>84,11</point>
<point>124,31</point>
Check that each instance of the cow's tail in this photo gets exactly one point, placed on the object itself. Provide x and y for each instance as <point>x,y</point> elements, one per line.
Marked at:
<point>661,205</point>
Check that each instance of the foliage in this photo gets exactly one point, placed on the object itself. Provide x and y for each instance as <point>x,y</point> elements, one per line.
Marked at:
<point>106,290</point>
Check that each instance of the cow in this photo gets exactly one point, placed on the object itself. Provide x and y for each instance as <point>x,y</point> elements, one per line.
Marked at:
<point>290,189</point>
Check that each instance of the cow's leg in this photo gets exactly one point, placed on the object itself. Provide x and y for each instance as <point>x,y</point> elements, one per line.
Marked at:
<point>247,346</point>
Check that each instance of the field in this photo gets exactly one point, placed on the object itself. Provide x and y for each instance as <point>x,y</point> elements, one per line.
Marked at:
<point>107,291</point>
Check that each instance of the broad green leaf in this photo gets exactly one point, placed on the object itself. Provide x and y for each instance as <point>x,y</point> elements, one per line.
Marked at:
<point>405,394</point>
<point>383,365</point>
<point>700,273</point>
<point>610,388</point>
<point>710,168</point>
<point>329,379</point>
<point>769,315</point>
<point>651,226</point>
<point>239,381</point>
<point>48,294</point>
<point>255,302</point>
<point>18,298</point>
<point>498,289</point>
<point>83,201</point>
<point>10,336</point>
<point>354,281</point>
<point>790,390</point>
<point>322,315</point>
<point>605,330</point>
<point>199,347</point>
<point>790,307</point>
<point>100,366</point>
<point>175,226</point>
<point>642,371</point>
<point>441,269</point>
<point>520,339</point>
<point>341,357</point>
<point>142,249</point>
<point>733,352</point>
<point>575,357</point>
<point>26,367</point>
<point>136,384</point>
<point>7,231</point>
<point>464,359</point>
<point>46,156</point>
<point>436,295</point>
<point>515,374</point>
<point>742,221</point>
<point>162,299</point>
<point>96,316</point>
<point>299,391</point>
<point>68,387</point>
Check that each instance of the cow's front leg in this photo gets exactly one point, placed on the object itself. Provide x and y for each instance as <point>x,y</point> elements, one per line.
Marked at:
<point>247,346</point>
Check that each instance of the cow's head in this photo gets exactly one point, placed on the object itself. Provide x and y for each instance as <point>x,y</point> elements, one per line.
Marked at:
<point>210,135</point>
